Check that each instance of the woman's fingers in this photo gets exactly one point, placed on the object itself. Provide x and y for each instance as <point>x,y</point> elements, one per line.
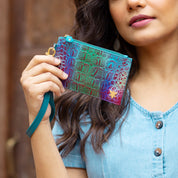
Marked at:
<point>43,68</point>
<point>36,92</point>
<point>38,59</point>
<point>39,71</point>
<point>45,77</point>
<point>40,76</point>
<point>40,89</point>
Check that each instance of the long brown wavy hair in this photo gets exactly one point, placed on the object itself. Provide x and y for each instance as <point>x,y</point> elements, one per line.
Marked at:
<point>94,25</point>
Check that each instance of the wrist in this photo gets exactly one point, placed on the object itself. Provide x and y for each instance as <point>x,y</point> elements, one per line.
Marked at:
<point>44,120</point>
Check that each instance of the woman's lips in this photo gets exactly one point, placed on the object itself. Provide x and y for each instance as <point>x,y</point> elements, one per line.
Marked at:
<point>140,20</point>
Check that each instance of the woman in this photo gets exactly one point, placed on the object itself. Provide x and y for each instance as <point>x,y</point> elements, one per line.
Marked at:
<point>136,139</point>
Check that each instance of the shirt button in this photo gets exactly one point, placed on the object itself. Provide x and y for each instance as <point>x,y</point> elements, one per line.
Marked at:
<point>159,124</point>
<point>158,152</point>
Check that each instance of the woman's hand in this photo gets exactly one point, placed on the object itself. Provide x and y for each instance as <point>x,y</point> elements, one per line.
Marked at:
<point>40,76</point>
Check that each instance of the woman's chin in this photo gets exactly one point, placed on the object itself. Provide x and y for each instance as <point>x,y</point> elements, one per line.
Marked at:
<point>142,42</point>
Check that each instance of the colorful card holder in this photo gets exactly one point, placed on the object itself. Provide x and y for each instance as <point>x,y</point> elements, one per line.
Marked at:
<point>91,70</point>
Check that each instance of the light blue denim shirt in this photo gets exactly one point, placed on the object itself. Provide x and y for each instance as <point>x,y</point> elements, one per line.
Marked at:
<point>147,147</point>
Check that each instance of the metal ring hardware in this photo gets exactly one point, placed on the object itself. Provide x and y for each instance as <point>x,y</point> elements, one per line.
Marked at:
<point>51,51</point>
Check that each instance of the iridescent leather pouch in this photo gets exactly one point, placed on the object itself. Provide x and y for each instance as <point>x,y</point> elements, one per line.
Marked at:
<point>91,70</point>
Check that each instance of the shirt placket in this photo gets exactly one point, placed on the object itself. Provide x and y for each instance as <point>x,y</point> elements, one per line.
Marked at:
<point>158,146</point>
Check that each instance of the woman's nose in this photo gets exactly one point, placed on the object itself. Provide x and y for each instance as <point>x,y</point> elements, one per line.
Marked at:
<point>136,4</point>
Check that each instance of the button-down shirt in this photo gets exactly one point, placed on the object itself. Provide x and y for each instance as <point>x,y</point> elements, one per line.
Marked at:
<point>146,147</point>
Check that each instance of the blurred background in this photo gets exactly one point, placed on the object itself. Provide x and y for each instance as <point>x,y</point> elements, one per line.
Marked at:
<point>27,27</point>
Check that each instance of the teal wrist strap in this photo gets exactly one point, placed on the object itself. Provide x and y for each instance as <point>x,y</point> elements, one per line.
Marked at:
<point>48,99</point>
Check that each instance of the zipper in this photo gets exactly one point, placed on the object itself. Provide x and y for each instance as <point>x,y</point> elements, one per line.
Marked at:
<point>69,39</point>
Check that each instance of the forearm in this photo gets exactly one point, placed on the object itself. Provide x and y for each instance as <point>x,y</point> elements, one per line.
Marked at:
<point>48,162</point>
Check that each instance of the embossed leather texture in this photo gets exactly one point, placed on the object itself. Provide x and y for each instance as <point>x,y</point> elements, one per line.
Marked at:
<point>93,70</point>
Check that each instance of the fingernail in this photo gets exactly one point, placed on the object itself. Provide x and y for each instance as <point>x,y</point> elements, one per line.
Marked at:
<point>57,61</point>
<point>65,75</point>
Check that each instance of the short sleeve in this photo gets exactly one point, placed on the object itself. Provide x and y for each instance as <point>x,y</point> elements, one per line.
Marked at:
<point>74,158</point>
